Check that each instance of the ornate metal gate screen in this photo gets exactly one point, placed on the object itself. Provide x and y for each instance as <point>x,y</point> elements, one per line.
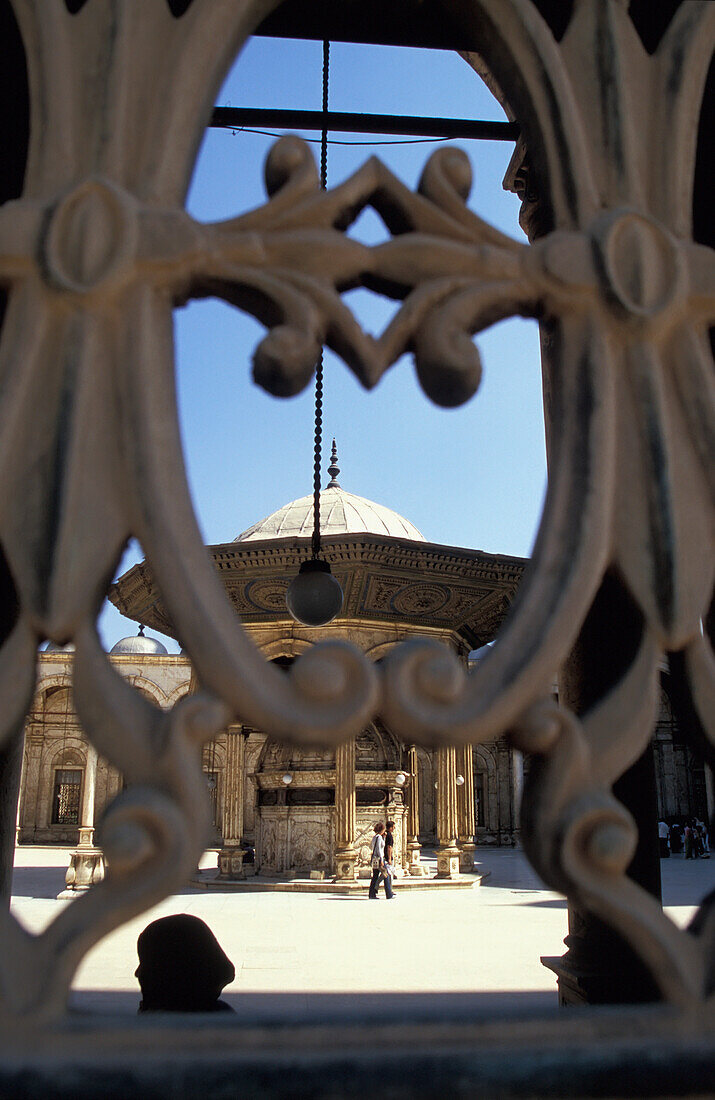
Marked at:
<point>97,251</point>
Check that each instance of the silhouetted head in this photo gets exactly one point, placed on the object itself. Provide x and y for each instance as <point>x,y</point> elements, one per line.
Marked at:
<point>182,967</point>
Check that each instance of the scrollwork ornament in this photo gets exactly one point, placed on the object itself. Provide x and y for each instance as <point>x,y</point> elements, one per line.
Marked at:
<point>99,248</point>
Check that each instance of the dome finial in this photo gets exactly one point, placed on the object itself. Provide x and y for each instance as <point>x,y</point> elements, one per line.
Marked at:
<point>333,469</point>
<point>141,630</point>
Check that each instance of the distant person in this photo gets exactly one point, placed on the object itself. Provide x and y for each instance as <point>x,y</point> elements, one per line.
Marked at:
<point>663,839</point>
<point>182,967</point>
<point>688,841</point>
<point>676,838</point>
<point>378,864</point>
<point>390,851</point>
<point>704,838</point>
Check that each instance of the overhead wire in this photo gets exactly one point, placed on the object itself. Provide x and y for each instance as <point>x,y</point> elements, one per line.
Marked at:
<point>336,141</point>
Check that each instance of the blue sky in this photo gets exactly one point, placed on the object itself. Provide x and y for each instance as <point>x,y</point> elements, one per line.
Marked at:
<point>473,476</point>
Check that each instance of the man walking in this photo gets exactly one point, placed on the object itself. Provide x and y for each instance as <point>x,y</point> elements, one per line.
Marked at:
<point>378,865</point>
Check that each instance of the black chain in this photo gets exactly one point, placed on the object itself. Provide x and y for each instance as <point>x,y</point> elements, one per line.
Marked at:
<point>324,133</point>
<point>317,461</point>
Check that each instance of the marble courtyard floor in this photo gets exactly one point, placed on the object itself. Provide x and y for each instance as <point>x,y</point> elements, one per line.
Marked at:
<point>476,947</point>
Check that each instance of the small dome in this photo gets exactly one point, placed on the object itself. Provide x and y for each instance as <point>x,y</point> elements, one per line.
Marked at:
<point>341,513</point>
<point>137,645</point>
<point>53,647</point>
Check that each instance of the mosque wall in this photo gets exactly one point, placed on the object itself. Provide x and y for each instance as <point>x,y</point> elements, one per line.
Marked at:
<point>55,758</point>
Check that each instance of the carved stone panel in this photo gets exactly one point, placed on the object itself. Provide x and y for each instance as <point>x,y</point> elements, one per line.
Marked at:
<point>294,838</point>
<point>311,840</point>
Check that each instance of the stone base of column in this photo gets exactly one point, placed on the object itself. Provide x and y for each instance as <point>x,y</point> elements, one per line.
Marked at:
<point>466,857</point>
<point>599,968</point>
<point>575,985</point>
<point>86,866</point>
<point>447,861</point>
<point>414,860</point>
<point>346,865</point>
<point>230,863</point>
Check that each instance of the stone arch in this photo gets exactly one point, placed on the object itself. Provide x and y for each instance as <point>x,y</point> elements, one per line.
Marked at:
<point>52,680</point>
<point>177,693</point>
<point>381,649</point>
<point>378,748</point>
<point>68,755</point>
<point>485,787</point>
<point>56,699</point>
<point>273,753</point>
<point>285,647</point>
<point>213,766</point>
<point>149,690</point>
<point>427,802</point>
<point>277,754</point>
<point>213,756</point>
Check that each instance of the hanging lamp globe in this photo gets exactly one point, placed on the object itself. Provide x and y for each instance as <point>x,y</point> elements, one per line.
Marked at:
<point>314,597</point>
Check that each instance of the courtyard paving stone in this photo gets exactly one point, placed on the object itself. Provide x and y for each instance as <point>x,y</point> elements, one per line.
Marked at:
<point>294,949</point>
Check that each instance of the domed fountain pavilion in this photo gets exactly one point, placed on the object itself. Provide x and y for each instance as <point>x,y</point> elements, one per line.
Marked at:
<point>313,811</point>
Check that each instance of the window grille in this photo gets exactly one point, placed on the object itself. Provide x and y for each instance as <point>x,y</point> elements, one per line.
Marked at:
<point>479,796</point>
<point>66,796</point>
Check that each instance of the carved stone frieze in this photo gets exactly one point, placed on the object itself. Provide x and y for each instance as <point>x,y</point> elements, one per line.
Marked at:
<point>267,780</point>
<point>383,579</point>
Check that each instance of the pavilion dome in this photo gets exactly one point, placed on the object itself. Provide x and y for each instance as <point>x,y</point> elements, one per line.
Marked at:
<point>341,513</point>
<point>137,645</point>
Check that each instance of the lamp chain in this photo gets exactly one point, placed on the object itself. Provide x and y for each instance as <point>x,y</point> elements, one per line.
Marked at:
<point>319,366</point>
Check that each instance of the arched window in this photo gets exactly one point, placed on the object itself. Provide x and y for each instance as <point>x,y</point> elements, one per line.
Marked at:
<point>66,796</point>
<point>480,794</point>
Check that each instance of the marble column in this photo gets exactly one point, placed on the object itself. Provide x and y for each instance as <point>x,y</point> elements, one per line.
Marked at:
<point>21,789</point>
<point>465,809</point>
<point>29,809</point>
<point>10,769</point>
<point>518,773</point>
<point>414,864</point>
<point>231,855</point>
<point>710,795</point>
<point>447,851</point>
<point>86,861</point>
<point>11,751</point>
<point>345,813</point>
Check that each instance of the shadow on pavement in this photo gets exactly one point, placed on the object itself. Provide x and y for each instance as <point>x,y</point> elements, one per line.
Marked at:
<point>38,882</point>
<point>330,1008</point>
<point>686,882</point>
